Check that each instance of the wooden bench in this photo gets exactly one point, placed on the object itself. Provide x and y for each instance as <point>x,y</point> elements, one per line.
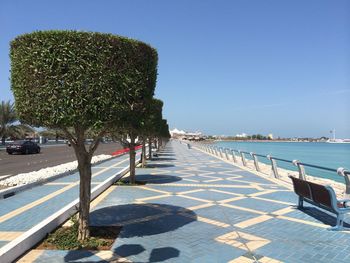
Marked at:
<point>323,197</point>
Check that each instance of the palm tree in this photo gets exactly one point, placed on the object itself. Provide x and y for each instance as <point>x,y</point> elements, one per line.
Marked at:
<point>7,118</point>
<point>8,126</point>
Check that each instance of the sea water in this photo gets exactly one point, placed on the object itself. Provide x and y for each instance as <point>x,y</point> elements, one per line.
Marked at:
<point>330,155</point>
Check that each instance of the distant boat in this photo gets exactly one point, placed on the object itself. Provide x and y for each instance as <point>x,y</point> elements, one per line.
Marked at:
<point>334,140</point>
<point>338,141</point>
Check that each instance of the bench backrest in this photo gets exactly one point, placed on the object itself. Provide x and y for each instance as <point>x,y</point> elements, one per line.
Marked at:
<point>301,187</point>
<point>320,194</point>
<point>317,193</point>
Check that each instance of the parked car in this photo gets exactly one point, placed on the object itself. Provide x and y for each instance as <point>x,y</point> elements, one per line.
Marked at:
<point>23,147</point>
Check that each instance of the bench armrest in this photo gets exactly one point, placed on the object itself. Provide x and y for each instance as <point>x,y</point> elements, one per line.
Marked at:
<point>343,200</point>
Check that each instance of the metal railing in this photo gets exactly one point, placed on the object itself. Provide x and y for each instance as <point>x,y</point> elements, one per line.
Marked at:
<point>235,154</point>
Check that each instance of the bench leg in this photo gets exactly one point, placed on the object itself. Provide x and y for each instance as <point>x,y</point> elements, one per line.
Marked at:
<point>339,225</point>
<point>300,202</point>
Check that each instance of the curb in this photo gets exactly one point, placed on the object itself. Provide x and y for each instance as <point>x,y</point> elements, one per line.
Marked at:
<point>11,191</point>
<point>17,247</point>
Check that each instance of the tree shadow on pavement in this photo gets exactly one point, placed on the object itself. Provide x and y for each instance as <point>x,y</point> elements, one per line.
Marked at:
<point>138,220</point>
<point>166,154</point>
<point>163,159</point>
<point>156,255</point>
<point>157,179</point>
<point>159,165</point>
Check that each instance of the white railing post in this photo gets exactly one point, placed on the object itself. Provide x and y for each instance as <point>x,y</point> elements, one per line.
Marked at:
<point>226,153</point>
<point>273,166</point>
<point>243,158</point>
<point>346,174</point>
<point>233,156</point>
<point>256,162</point>
<point>301,169</point>
<point>216,151</point>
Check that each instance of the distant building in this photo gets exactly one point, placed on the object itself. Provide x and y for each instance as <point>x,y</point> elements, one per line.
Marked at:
<point>242,135</point>
<point>192,136</point>
<point>175,133</point>
<point>270,136</point>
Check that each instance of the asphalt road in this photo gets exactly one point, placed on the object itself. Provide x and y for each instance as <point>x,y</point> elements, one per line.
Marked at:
<point>49,156</point>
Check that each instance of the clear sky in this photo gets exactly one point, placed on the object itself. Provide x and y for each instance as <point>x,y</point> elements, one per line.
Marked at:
<point>225,67</point>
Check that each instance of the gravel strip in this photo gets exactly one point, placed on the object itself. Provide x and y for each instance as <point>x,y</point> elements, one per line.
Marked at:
<point>45,173</point>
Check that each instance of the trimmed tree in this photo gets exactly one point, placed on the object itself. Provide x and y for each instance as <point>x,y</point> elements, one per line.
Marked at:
<point>154,108</point>
<point>163,134</point>
<point>151,125</point>
<point>130,123</point>
<point>76,82</point>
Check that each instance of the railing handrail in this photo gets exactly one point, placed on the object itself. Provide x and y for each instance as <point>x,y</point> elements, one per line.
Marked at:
<point>319,167</point>
<point>274,168</point>
<point>260,155</point>
<point>290,161</point>
<point>282,160</point>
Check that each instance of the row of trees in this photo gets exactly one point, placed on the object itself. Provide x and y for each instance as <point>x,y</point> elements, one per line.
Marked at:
<point>85,82</point>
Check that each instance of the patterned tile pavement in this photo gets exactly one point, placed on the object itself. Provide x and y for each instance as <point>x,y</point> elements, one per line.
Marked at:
<point>24,210</point>
<point>197,208</point>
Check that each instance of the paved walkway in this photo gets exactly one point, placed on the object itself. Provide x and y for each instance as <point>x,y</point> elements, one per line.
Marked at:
<point>21,212</point>
<point>196,208</point>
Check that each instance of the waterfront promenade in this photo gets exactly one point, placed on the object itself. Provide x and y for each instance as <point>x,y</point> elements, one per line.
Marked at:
<point>197,208</point>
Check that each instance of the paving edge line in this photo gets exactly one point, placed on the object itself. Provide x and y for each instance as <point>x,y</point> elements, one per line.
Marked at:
<point>8,192</point>
<point>262,175</point>
<point>17,247</point>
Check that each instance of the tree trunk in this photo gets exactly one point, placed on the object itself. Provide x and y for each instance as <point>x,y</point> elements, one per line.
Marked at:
<point>132,158</point>
<point>156,143</point>
<point>149,148</point>
<point>3,138</point>
<point>143,164</point>
<point>84,167</point>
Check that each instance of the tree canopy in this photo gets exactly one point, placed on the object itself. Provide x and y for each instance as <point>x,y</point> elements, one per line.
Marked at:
<point>78,78</point>
<point>81,82</point>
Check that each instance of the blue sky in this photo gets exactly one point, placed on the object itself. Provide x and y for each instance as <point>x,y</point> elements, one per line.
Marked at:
<point>225,67</point>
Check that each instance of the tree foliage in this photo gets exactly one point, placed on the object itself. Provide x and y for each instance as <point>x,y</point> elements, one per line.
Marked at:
<point>154,117</point>
<point>80,82</point>
<point>77,78</point>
